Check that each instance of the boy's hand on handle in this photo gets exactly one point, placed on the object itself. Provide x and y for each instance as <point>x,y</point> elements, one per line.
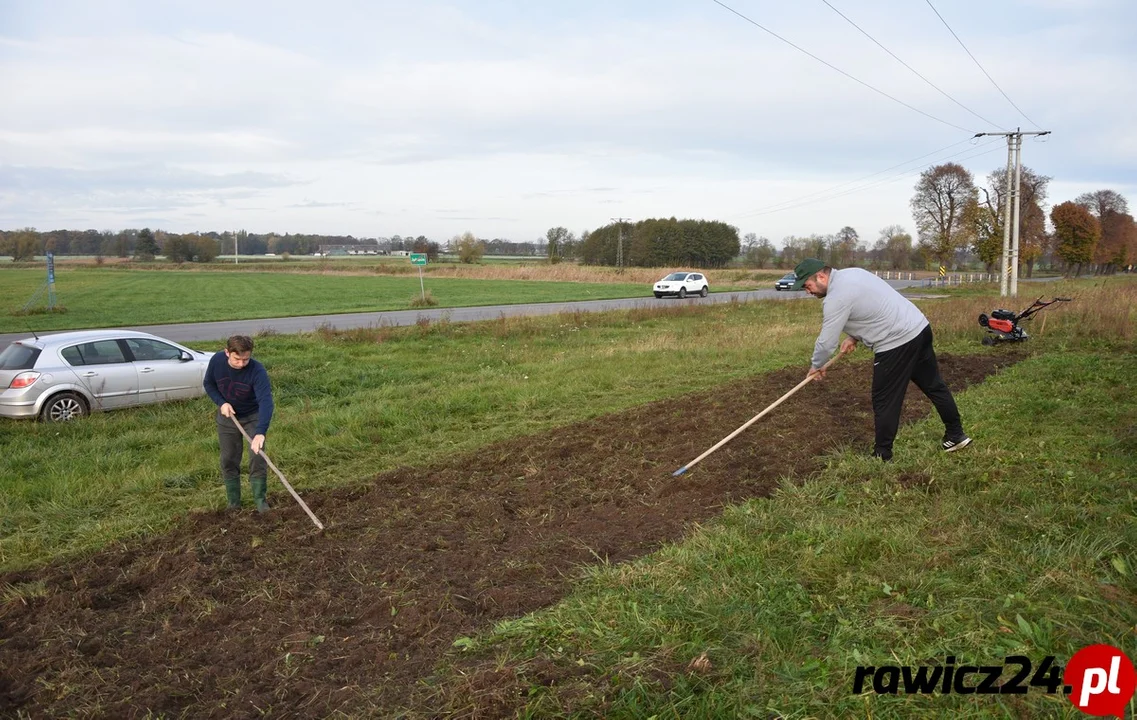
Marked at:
<point>257,443</point>
<point>226,410</point>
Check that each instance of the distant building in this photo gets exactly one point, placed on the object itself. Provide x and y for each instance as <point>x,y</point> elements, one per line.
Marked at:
<point>326,250</point>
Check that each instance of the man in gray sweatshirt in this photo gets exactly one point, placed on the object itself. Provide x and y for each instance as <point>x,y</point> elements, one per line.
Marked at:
<point>868,310</point>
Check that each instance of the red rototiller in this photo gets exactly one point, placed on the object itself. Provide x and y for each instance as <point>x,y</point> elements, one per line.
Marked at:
<point>1003,325</point>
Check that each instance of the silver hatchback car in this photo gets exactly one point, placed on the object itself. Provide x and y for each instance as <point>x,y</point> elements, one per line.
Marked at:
<point>68,375</point>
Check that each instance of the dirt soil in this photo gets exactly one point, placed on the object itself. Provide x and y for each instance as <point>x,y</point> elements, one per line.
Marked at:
<point>241,615</point>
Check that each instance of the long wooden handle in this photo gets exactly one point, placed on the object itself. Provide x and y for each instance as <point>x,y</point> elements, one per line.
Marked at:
<point>279,474</point>
<point>754,419</point>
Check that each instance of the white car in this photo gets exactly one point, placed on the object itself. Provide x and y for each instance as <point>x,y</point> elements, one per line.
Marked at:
<point>68,375</point>
<point>682,284</point>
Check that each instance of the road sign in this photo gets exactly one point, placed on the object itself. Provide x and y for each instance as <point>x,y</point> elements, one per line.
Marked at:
<point>418,258</point>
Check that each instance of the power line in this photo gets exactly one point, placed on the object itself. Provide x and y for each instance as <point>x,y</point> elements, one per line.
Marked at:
<point>1012,102</point>
<point>913,70</point>
<point>834,67</point>
<point>804,202</point>
<point>775,206</point>
<point>806,199</point>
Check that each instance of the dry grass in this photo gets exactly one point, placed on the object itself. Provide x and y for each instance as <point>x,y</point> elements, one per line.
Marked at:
<point>734,278</point>
<point>1107,305</point>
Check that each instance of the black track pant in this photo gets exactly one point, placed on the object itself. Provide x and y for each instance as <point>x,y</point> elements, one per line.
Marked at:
<point>916,361</point>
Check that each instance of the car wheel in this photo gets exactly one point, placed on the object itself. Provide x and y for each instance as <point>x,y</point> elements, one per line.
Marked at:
<point>658,295</point>
<point>63,407</point>
<point>704,291</point>
<point>682,293</point>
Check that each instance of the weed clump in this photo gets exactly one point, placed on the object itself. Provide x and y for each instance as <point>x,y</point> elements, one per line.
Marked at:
<point>424,300</point>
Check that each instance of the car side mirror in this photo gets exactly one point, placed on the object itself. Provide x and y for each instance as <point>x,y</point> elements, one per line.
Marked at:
<point>185,356</point>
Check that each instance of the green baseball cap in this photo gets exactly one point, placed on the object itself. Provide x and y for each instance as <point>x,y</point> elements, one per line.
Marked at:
<point>806,269</point>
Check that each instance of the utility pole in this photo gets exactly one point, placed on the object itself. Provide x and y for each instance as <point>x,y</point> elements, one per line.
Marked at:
<point>1009,265</point>
<point>236,252</point>
<point>620,242</point>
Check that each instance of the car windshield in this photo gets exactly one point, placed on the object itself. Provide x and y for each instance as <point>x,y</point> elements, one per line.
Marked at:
<point>18,357</point>
<point>787,276</point>
<point>675,276</point>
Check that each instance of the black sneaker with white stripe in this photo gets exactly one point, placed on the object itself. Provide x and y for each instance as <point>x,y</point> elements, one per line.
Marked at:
<point>955,443</point>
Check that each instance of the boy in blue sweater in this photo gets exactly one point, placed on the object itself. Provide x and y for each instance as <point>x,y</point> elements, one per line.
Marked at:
<point>239,386</point>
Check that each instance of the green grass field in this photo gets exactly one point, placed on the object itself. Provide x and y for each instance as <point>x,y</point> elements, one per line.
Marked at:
<point>112,298</point>
<point>1025,544</point>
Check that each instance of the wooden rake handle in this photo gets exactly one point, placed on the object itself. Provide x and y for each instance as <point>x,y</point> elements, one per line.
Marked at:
<point>755,419</point>
<point>279,474</point>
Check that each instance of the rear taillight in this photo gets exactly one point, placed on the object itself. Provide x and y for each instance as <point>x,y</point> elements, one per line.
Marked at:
<point>23,380</point>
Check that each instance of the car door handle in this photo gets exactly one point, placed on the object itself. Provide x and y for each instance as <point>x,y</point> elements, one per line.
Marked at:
<point>146,370</point>
<point>90,374</point>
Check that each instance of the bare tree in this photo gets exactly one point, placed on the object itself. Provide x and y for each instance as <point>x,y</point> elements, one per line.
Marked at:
<point>558,240</point>
<point>945,208</point>
<point>893,248</point>
<point>845,246</point>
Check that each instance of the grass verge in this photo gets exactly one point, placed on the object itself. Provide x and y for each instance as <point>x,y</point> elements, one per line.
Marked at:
<point>98,297</point>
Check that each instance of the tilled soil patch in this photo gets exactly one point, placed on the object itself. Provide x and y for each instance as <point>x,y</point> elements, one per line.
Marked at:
<point>239,615</point>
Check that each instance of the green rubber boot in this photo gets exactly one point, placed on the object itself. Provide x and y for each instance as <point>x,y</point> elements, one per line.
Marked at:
<point>233,492</point>
<point>260,487</point>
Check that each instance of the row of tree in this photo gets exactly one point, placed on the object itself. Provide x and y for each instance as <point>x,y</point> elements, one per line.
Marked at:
<point>659,243</point>
<point>953,214</point>
<point>26,243</point>
<point>957,221</point>
<point>960,224</point>
<point>893,250</point>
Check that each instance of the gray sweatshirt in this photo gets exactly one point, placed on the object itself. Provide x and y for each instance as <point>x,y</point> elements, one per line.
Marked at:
<point>868,310</point>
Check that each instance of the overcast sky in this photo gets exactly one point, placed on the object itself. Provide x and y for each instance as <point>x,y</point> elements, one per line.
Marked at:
<point>506,118</point>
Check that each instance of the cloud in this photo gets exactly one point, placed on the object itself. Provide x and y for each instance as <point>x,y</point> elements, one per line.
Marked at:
<point>345,116</point>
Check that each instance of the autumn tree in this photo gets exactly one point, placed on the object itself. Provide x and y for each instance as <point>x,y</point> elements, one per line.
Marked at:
<point>1120,232</point>
<point>1110,208</point>
<point>176,249</point>
<point>21,244</point>
<point>470,249</point>
<point>1076,234</point>
<point>431,249</point>
<point>205,249</point>
<point>945,208</point>
<point>989,218</point>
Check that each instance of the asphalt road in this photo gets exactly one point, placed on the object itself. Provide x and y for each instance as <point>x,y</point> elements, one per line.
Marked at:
<point>191,332</point>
